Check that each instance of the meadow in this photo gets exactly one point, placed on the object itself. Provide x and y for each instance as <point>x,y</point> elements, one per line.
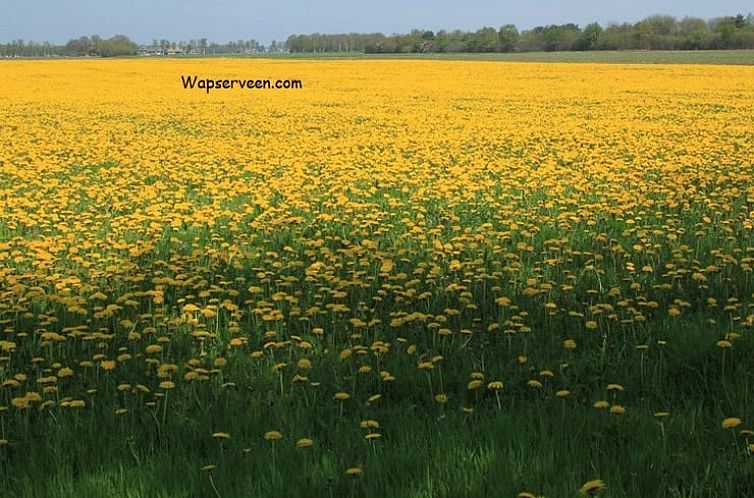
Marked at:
<point>738,57</point>
<point>409,278</point>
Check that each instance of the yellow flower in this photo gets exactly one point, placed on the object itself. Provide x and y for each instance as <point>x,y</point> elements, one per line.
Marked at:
<point>387,266</point>
<point>731,422</point>
<point>272,435</point>
<point>221,435</point>
<point>503,301</point>
<point>20,403</point>
<point>732,336</point>
<point>474,384</point>
<point>617,409</point>
<point>592,487</point>
<point>65,372</point>
<point>354,471</point>
<point>495,385</point>
<point>601,405</point>
<point>167,384</point>
<point>107,364</point>
<point>341,396</point>
<point>369,424</point>
<point>304,443</point>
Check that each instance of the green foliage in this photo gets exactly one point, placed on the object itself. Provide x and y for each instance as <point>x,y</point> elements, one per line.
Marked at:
<point>118,45</point>
<point>657,32</point>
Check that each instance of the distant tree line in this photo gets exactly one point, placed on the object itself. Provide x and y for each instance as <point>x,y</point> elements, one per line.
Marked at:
<point>201,46</point>
<point>118,45</point>
<point>95,45</point>
<point>658,32</point>
<point>121,45</point>
<point>21,48</point>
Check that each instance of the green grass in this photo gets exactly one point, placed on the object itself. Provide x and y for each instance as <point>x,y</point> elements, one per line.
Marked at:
<point>740,57</point>
<point>534,442</point>
<point>531,440</point>
<point>735,57</point>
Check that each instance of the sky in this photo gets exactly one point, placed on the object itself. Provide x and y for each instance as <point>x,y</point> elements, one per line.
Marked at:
<point>57,21</point>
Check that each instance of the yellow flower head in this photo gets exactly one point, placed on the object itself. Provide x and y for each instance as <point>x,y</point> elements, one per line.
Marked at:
<point>731,422</point>
<point>304,443</point>
<point>593,487</point>
<point>272,435</point>
<point>354,471</point>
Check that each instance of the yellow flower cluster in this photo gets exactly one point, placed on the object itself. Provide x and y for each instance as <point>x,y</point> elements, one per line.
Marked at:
<point>389,215</point>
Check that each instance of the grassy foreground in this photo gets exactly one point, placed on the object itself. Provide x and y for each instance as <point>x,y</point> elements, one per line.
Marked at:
<point>408,279</point>
<point>736,57</point>
<point>532,441</point>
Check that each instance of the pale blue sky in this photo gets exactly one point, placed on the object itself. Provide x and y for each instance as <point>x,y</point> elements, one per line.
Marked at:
<point>223,20</point>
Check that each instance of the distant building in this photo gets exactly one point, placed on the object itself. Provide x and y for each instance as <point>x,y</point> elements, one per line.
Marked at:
<point>175,50</point>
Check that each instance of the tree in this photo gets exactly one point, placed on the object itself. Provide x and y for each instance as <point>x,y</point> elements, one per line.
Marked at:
<point>78,47</point>
<point>487,39</point>
<point>728,32</point>
<point>694,32</point>
<point>118,45</point>
<point>657,32</point>
<point>558,38</point>
<point>591,36</point>
<point>508,38</point>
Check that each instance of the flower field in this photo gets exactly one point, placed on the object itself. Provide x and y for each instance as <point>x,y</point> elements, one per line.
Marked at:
<point>407,278</point>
